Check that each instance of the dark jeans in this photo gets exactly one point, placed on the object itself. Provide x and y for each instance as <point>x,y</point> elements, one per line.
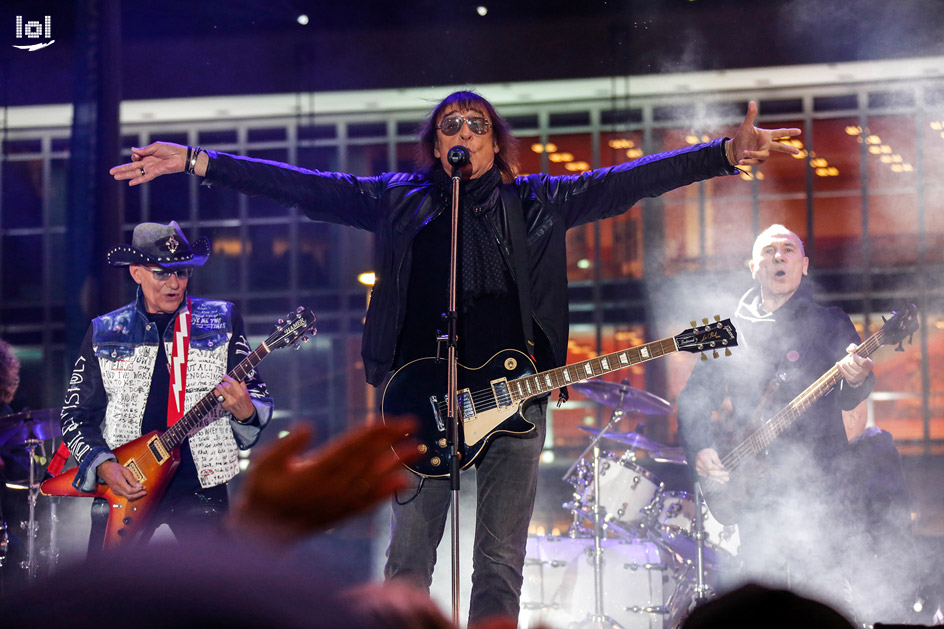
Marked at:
<point>506,481</point>
<point>191,516</point>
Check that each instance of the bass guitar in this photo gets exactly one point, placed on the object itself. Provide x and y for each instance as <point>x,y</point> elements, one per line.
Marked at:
<point>725,498</point>
<point>153,458</point>
<point>490,396</point>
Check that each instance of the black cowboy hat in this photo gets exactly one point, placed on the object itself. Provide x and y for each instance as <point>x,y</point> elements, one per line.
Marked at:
<point>161,245</point>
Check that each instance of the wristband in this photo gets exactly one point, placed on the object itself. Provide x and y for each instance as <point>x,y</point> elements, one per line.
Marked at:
<point>192,162</point>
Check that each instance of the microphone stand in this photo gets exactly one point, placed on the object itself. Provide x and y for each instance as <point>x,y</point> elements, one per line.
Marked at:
<point>452,402</point>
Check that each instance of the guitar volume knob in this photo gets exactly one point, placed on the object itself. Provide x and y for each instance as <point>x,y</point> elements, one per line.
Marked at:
<point>422,448</point>
<point>441,443</point>
<point>435,461</point>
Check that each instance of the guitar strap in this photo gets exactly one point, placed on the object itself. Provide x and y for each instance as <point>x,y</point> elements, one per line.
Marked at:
<point>786,370</point>
<point>519,256</point>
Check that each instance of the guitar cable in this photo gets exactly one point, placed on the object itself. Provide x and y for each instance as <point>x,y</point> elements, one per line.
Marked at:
<point>419,488</point>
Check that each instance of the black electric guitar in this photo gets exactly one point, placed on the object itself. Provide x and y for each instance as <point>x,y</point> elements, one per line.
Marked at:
<point>153,458</point>
<point>490,396</point>
<point>725,499</point>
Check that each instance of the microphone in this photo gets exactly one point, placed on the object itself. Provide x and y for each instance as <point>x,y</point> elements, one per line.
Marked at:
<point>458,156</point>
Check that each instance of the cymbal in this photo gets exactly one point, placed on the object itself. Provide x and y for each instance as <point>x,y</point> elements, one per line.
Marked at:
<point>40,424</point>
<point>633,400</point>
<point>674,456</point>
<point>630,439</point>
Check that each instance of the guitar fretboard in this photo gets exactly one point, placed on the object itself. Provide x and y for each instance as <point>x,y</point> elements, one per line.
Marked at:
<point>198,417</point>
<point>776,425</point>
<point>530,386</point>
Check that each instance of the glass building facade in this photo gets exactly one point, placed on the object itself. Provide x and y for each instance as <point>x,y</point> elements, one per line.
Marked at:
<point>866,194</point>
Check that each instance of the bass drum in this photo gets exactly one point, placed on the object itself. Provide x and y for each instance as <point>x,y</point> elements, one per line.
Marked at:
<point>559,583</point>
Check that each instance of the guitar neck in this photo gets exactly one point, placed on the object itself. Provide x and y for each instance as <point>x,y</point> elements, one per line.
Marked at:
<point>778,424</point>
<point>530,386</point>
<point>198,417</point>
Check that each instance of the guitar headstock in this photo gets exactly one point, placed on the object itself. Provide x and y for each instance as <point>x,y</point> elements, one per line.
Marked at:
<point>903,323</point>
<point>289,330</point>
<point>710,336</point>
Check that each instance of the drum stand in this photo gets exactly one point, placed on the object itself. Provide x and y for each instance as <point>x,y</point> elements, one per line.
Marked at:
<point>700,593</point>
<point>31,565</point>
<point>597,618</point>
<point>32,493</point>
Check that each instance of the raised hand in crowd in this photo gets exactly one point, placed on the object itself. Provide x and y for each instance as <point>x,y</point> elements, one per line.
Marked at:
<point>290,493</point>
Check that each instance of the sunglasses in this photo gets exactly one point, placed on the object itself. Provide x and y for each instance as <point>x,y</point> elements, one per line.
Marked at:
<point>452,124</point>
<point>162,275</point>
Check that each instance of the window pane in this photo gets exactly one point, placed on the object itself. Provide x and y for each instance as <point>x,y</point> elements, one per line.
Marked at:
<point>22,269</point>
<point>367,160</point>
<point>22,194</point>
<point>269,257</point>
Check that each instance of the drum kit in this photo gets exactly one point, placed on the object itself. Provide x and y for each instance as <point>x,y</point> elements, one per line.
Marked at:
<point>22,447</point>
<point>640,552</point>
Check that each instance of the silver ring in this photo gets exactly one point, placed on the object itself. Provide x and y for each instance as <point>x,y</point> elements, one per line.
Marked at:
<point>220,398</point>
<point>143,173</point>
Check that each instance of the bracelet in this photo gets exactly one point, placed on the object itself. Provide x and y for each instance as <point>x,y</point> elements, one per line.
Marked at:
<point>189,155</point>
<point>724,151</point>
<point>192,159</point>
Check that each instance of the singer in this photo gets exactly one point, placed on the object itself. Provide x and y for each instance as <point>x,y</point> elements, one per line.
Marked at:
<point>409,215</point>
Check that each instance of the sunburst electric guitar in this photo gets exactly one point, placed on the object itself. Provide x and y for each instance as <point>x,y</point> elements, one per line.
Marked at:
<point>490,396</point>
<point>725,499</point>
<point>153,458</point>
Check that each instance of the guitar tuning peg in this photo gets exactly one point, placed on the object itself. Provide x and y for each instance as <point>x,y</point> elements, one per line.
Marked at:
<point>727,352</point>
<point>718,318</point>
<point>705,321</point>
<point>714,353</point>
<point>703,357</point>
<point>297,346</point>
<point>300,308</point>
<point>304,339</point>
<point>281,321</point>
<point>694,323</point>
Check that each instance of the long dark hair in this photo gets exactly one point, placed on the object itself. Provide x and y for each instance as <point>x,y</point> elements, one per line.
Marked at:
<point>507,157</point>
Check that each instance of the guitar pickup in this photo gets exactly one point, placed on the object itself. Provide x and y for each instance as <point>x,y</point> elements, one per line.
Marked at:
<point>138,474</point>
<point>157,449</point>
<point>501,393</point>
<point>466,408</point>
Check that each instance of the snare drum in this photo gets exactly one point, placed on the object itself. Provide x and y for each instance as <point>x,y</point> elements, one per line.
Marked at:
<point>558,586</point>
<point>626,490</point>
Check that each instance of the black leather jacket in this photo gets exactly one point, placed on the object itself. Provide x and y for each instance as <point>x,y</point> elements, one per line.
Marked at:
<point>395,206</point>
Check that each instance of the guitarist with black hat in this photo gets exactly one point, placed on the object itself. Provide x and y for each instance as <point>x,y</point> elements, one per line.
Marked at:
<point>795,517</point>
<point>141,367</point>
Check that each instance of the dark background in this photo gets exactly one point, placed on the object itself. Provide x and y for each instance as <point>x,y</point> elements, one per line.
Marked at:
<point>186,49</point>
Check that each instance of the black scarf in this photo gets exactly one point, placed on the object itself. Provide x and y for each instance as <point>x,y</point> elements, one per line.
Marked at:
<point>483,272</point>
